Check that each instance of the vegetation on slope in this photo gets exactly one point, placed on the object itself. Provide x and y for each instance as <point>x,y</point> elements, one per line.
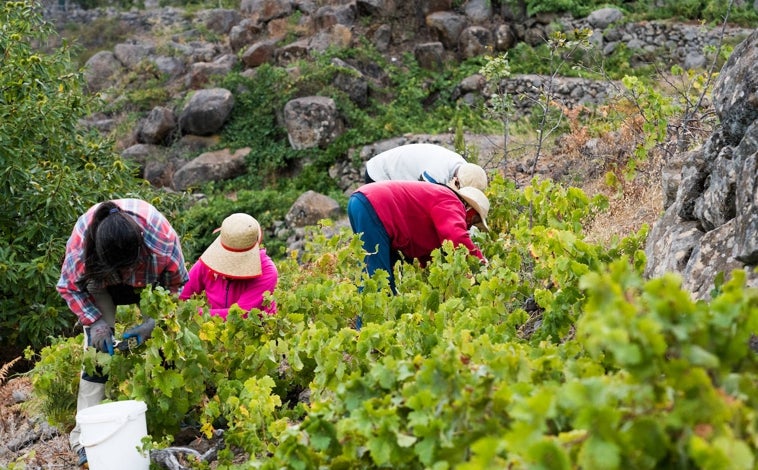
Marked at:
<point>557,355</point>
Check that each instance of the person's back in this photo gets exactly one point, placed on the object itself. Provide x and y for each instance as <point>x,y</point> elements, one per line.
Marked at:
<point>412,219</point>
<point>419,216</point>
<point>409,162</point>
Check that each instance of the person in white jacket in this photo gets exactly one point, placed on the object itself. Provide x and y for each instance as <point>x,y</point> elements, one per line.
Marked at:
<point>425,162</point>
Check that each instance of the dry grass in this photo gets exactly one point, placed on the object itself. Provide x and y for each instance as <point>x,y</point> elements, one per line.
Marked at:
<point>637,204</point>
<point>7,368</point>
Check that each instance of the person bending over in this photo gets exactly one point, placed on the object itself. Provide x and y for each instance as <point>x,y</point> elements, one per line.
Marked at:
<point>410,219</point>
<point>425,162</point>
<point>234,269</point>
<point>116,249</point>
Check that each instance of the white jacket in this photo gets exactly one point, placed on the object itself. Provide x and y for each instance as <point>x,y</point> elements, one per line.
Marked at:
<point>414,162</point>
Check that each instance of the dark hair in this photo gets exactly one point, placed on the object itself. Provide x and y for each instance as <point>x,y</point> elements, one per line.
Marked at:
<point>112,242</point>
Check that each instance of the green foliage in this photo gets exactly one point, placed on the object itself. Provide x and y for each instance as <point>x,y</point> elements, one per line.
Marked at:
<point>199,221</point>
<point>57,369</point>
<point>51,172</point>
<point>557,354</point>
<point>253,122</point>
<point>656,109</point>
<point>611,371</point>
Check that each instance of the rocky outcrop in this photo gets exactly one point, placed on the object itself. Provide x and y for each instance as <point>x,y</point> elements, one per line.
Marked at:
<point>711,225</point>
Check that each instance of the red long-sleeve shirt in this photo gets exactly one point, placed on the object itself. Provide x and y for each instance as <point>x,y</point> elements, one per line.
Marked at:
<point>418,216</point>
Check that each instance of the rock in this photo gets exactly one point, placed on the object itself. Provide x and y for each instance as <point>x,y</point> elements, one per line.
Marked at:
<point>157,127</point>
<point>447,26</point>
<point>604,17</point>
<point>312,121</point>
<point>211,166</point>
<point>311,207</point>
<point>102,71</point>
<point>206,111</point>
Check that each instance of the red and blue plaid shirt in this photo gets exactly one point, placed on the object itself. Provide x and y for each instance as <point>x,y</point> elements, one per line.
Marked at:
<point>160,262</point>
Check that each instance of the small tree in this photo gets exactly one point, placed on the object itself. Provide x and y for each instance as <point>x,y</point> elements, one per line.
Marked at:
<point>500,105</point>
<point>51,171</point>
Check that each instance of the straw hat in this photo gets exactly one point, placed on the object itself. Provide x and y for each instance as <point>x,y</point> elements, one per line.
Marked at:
<point>235,253</point>
<point>469,174</point>
<point>477,200</point>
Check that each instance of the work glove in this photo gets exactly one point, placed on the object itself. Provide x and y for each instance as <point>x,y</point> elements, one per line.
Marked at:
<point>141,332</point>
<point>101,336</point>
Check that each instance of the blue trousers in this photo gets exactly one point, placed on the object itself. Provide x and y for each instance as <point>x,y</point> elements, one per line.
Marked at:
<point>376,241</point>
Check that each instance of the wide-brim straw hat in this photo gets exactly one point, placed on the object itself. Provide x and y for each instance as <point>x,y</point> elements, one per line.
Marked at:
<point>235,253</point>
<point>470,174</point>
<point>477,200</point>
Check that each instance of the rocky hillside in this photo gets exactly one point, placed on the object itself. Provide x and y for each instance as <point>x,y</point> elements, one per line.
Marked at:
<point>177,142</point>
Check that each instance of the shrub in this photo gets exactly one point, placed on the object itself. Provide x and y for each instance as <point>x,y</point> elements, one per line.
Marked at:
<point>52,171</point>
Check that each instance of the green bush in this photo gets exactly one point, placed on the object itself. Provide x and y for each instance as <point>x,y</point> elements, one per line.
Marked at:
<point>604,370</point>
<point>52,171</point>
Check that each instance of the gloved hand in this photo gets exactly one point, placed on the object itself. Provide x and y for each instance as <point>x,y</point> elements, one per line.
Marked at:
<point>101,336</point>
<point>141,332</point>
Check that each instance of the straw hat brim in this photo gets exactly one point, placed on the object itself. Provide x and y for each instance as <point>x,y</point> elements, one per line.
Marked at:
<point>474,203</point>
<point>233,264</point>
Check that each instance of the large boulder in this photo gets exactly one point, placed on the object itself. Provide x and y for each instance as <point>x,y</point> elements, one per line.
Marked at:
<point>312,121</point>
<point>711,227</point>
<point>211,166</point>
<point>206,112</point>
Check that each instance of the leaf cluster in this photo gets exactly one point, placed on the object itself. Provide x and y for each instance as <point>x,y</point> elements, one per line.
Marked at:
<point>557,354</point>
<point>52,171</point>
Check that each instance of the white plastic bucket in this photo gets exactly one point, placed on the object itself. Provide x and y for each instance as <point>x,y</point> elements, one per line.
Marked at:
<point>111,434</point>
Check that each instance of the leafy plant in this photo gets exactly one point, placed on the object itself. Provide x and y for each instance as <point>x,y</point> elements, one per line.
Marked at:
<point>52,171</point>
<point>604,368</point>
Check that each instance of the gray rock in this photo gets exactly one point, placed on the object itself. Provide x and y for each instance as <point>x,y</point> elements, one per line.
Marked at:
<point>206,112</point>
<point>211,166</point>
<point>157,127</point>
<point>478,11</point>
<point>311,207</point>
<point>430,55</point>
<point>475,41</point>
<point>713,222</point>
<point>604,17</point>
<point>312,121</point>
<point>447,26</point>
<point>219,20</point>
<point>102,70</point>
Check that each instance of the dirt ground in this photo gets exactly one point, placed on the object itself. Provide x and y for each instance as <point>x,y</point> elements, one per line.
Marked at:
<point>27,441</point>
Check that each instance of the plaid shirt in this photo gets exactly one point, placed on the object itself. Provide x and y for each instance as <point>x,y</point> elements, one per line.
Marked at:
<point>162,263</point>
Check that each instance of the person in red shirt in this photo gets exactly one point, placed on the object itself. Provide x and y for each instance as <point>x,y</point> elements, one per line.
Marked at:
<point>116,249</point>
<point>410,219</point>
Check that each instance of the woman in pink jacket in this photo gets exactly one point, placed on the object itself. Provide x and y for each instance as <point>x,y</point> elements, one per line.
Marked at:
<point>234,269</point>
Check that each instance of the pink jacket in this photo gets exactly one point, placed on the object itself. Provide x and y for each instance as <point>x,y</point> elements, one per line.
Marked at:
<point>222,293</point>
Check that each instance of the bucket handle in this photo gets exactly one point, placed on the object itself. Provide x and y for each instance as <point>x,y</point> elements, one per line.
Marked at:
<point>121,424</point>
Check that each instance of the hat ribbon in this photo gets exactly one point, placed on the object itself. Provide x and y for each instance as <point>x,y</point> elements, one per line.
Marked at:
<point>238,250</point>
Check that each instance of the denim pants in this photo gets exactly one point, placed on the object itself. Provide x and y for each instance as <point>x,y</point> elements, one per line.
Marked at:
<point>376,241</point>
